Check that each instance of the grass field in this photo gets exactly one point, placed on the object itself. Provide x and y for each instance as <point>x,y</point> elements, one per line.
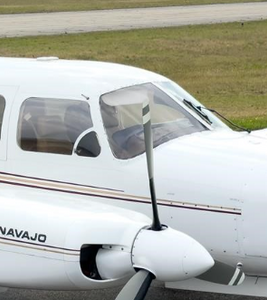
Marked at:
<point>223,65</point>
<point>29,6</point>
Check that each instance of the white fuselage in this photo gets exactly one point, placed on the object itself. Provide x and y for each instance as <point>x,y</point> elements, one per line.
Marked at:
<point>209,185</point>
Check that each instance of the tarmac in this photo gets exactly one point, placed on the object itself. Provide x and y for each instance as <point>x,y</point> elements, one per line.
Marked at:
<point>154,293</point>
<point>125,19</point>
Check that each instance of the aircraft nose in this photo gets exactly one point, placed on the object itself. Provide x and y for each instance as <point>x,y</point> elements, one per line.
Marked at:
<point>198,256</point>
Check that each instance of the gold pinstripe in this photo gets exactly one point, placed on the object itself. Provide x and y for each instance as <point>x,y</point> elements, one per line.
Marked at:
<point>40,248</point>
<point>68,187</point>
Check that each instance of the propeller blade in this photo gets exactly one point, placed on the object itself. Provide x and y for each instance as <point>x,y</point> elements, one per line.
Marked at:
<point>156,225</point>
<point>224,274</point>
<point>136,288</point>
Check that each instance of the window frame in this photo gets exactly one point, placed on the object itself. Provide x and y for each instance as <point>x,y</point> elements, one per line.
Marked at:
<point>57,116</point>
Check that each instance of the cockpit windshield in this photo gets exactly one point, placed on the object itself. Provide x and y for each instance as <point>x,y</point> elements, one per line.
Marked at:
<point>122,117</point>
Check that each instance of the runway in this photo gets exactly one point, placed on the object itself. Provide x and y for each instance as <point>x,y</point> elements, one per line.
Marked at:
<point>125,19</point>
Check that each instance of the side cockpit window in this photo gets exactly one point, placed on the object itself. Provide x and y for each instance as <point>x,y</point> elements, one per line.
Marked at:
<point>2,109</point>
<point>52,125</point>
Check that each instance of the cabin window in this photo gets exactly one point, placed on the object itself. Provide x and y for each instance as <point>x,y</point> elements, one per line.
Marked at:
<point>2,109</point>
<point>122,117</point>
<point>52,125</point>
<point>88,145</point>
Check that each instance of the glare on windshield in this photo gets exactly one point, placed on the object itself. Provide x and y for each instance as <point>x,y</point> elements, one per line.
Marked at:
<point>122,118</point>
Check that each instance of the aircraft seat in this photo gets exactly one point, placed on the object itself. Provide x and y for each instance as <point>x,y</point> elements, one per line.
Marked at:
<point>28,136</point>
<point>52,136</point>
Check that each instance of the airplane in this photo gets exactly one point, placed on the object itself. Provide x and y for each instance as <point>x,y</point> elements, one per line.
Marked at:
<point>86,146</point>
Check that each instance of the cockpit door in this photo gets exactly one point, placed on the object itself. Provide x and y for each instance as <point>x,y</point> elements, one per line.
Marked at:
<point>7,94</point>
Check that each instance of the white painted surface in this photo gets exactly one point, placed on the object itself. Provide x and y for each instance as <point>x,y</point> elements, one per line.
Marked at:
<point>200,180</point>
<point>125,19</point>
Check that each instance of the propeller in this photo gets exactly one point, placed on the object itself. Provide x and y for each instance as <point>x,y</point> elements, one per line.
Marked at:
<point>137,287</point>
<point>190,257</point>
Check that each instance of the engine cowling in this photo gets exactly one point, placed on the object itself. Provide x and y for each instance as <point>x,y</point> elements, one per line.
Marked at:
<point>169,254</point>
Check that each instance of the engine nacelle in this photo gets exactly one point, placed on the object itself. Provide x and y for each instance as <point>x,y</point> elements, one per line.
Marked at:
<point>169,254</point>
